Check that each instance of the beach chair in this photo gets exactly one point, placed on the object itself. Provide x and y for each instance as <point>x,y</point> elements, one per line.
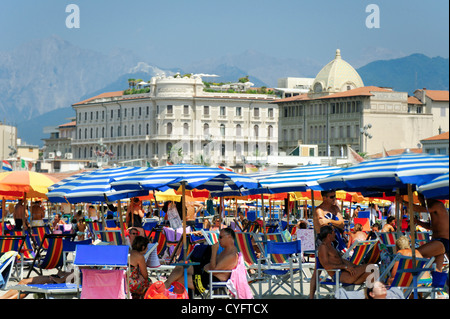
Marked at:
<point>69,247</point>
<point>53,257</point>
<point>111,282</point>
<point>388,242</point>
<point>24,247</point>
<point>421,238</point>
<point>281,272</point>
<point>358,251</point>
<point>404,277</point>
<point>326,285</point>
<point>236,287</point>
<point>148,227</point>
<point>112,237</point>
<point>95,226</point>
<point>211,236</point>
<point>7,260</point>
<point>37,235</point>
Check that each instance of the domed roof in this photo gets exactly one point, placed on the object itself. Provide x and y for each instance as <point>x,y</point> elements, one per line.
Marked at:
<point>336,76</point>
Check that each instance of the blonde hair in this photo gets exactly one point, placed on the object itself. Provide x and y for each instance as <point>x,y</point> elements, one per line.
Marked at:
<point>358,227</point>
<point>402,243</point>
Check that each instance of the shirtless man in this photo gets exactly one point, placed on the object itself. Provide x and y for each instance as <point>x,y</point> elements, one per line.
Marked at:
<point>329,258</point>
<point>37,214</point>
<point>328,208</point>
<point>389,227</point>
<point>134,216</point>
<point>192,208</point>
<point>439,224</point>
<point>198,277</point>
<point>20,216</point>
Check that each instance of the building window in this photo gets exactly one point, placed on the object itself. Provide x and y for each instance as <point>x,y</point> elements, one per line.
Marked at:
<point>206,110</point>
<point>186,110</point>
<point>443,112</point>
<point>206,129</point>
<point>238,111</point>
<point>270,112</point>
<point>223,149</point>
<point>238,130</point>
<point>147,129</point>
<point>222,111</point>
<point>222,129</point>
<point>256,130</point>
<point>256,112</point>
<point>419,110</point>
<point>169,128</point>
<point>270,131</point>
<point>169,109</point>
<point>186,129</point>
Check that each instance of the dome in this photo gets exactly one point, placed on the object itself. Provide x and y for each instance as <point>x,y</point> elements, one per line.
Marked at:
<point>336,76</point>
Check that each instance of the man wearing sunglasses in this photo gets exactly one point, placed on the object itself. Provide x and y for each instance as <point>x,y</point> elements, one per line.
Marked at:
<point>327,213</point>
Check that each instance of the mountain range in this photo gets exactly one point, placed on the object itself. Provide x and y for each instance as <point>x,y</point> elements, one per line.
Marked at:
<point>40,80</point>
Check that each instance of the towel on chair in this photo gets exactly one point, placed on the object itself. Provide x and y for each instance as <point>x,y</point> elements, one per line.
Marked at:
<point>238,283</point>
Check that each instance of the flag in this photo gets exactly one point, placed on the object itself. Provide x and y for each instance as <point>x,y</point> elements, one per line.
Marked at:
<point>226,168</point>
<point>353,156</point>
<point>385,153</point>
<point>23,163</point>
<point>6,166</point>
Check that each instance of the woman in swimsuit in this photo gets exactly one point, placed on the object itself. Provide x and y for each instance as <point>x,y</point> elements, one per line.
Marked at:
<point>139,279</point>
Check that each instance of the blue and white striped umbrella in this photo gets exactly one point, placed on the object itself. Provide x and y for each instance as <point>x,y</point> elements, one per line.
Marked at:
<point>227,191</point>
<point>194,176</point>
<point>94,187</point>
<point>67,179</point>
<point>438,188</point>
<point>388,173</point>
<point>298,179</point>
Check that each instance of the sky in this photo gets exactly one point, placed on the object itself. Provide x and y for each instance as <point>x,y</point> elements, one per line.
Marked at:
<point>175,33</point>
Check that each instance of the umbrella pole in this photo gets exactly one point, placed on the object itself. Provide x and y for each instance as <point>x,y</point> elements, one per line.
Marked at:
<point>119,214</point>
<point>263,211</point>
<point>398,202</point>
<point>288,210</point>
<point>3,214</point>
<point>412,230</point>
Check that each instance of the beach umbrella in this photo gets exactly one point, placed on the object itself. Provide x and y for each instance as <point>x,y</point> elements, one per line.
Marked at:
<point>436,188</point>
<point>19,183</point>
<point>297,179</point>
<point>94,187</point>
<point>386,174</point>
<point>188,177</point>
<point>393,173</point>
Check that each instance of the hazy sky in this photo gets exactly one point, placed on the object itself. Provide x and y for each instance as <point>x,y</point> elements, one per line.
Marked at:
<point>174,33</point>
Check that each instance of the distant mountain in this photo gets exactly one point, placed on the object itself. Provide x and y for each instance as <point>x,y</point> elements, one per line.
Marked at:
<point>408,74</point>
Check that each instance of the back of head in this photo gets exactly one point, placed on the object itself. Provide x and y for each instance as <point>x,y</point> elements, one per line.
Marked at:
<point>230,231</point>
<point>402,243</point>
<point>139,243</point>
<point>358,227</point>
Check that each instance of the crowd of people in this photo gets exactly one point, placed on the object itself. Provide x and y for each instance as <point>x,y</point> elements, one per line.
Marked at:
<point>332,239</point>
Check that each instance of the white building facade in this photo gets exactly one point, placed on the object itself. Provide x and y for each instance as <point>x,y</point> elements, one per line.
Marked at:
<point>178,122</point>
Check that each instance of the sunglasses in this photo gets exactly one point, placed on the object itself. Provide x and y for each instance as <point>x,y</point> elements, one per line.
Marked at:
<point>134,233</point>
<point>332,197</point>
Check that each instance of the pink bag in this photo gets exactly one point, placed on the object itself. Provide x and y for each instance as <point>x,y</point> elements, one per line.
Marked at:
<point>103,284</point>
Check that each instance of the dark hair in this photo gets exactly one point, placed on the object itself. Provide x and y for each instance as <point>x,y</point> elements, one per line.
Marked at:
<point>230,231</point>
<point>368,291</point>
<point>325,193</point>
<point>139,243</point>
<point>325,231</point>
<point>390,219</point>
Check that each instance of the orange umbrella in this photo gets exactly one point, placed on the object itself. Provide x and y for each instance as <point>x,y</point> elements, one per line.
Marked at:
<point>19,183</point>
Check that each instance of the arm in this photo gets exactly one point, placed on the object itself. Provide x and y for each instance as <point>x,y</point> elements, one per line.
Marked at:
<point>228,262</point>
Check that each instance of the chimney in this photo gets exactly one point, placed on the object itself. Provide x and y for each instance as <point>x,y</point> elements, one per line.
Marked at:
<point>440,130</point>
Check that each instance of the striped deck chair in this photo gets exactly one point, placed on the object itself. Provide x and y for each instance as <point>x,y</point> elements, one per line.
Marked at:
<point>253,227</point>
<point>53,258</point>
<point>388,241</point>
<point>157,235</point>
<point>404,277</point>
<point>211,236</point>
<point>421,238</point>
<point>95,226</point>
<point>374,254</point>
<point>113,237</point>
<point>37,234</point>
<point>277,238</point>
<point>358,251</point>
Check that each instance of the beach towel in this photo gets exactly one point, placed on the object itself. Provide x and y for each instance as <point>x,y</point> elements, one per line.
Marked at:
<point>103,284</point>
<point>238,283</point>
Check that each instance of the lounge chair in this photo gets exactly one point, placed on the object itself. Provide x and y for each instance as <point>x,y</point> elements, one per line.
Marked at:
<point>279,267</point>
<point>6,267</point>
<point>111,237</point>
<point>406,278</point>
<point>54,255</point>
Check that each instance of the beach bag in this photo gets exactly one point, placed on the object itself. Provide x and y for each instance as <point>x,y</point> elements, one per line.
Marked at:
<point>158,291</point>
